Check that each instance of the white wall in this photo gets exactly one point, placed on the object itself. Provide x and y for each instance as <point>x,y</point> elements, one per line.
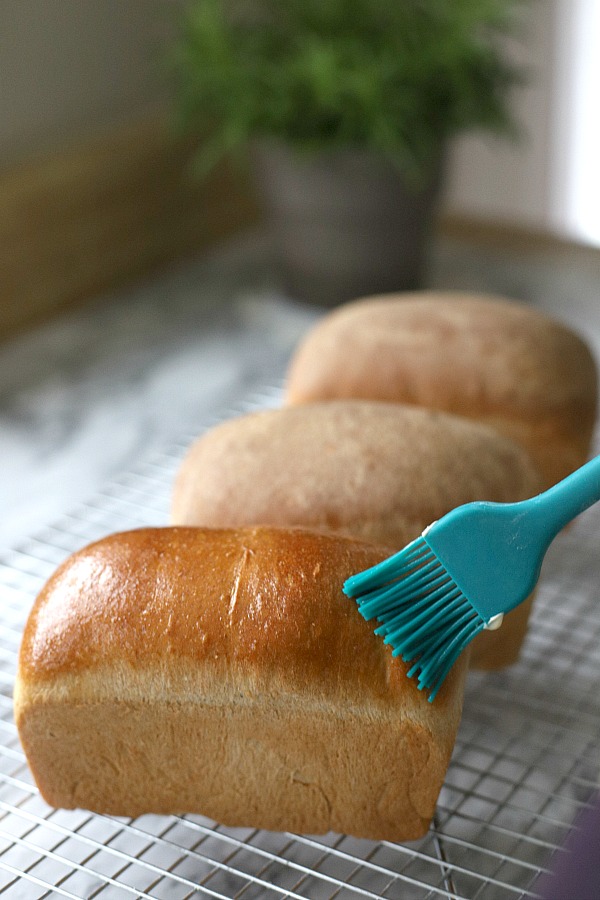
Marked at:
<point>575,189</point>
<point>509,181</point>
<point>550,179</point>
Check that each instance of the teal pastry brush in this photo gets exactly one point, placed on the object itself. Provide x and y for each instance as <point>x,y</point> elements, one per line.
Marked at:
<point>465,572</point>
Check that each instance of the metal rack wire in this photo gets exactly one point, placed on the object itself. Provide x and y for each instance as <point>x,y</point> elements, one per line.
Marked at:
<point>526,760</point>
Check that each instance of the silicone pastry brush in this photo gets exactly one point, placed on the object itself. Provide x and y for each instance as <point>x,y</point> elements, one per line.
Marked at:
<point>465,572</point>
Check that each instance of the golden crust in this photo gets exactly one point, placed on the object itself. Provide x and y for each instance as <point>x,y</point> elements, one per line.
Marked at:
<point>252,605</point>
<point>224,672</point>
<point>481,357</point>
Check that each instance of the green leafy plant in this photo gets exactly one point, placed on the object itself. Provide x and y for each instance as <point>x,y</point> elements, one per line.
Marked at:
<point>394,76</point>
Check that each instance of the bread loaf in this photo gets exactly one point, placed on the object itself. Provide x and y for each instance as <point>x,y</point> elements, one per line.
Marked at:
<point>482,357</point>
<point>381,472</point>
<point>224,673</point>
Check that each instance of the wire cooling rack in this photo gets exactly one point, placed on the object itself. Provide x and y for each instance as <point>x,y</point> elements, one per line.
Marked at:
<point>526,759</point>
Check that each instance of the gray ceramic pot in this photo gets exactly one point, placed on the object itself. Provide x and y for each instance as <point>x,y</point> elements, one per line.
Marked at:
<point>344,224</point>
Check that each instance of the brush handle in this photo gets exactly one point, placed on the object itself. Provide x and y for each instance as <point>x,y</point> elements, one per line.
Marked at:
<point>561,503</point>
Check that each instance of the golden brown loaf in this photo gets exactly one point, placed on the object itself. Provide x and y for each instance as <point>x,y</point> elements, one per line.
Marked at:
<point>224,673</point>
<point>482,357</point>
<point>381,472</point>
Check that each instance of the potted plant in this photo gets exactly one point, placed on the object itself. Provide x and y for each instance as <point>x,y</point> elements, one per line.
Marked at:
<point>345,109</point>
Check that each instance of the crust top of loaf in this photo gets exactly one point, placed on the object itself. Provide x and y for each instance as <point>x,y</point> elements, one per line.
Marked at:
<point>215,616</point>
<point>466,350</point>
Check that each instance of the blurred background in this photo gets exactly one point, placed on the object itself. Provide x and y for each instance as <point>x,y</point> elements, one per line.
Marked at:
<point>135,295</point>
<point>95,189</point>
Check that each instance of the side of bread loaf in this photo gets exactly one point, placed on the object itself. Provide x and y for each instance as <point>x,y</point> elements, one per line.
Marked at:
<point>483,357</point>
<point>381,472</point>
<point>223,672</point>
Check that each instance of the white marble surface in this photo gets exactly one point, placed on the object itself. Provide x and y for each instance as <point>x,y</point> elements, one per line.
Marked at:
<point>83,397</point>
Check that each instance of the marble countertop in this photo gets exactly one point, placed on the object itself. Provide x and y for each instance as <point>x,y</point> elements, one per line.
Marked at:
<point>82,397</point>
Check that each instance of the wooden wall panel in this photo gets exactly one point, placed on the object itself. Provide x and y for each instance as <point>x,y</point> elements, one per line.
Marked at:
<point>104,212</point>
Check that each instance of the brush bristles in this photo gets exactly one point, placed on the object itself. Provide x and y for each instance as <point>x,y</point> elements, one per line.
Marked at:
<point>421,612</point>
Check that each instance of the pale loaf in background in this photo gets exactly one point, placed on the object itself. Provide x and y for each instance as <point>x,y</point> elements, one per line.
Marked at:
<point>483,357</point>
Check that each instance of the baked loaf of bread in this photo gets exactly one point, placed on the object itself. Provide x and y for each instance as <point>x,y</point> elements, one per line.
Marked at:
<point>481,357</point>
<point>224,673</point>
<point>381,472</point>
